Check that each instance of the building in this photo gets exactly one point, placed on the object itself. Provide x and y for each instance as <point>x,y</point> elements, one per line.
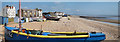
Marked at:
<point>9,11</point>
<point>59,13</point>
<point>54,14</point>
<point>27,13</point>
<point>31,13</point>
<point>40,13</point>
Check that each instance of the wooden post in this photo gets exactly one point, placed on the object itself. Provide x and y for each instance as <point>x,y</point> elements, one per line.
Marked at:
<point>20,14</point>
<point>41,27</point>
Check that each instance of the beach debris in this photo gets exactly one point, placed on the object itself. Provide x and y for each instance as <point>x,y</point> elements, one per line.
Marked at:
<point>41,27</point>
<point>68,18</point>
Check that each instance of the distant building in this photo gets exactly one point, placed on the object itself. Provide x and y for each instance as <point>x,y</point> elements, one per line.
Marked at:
<point>40,13</point>
<point>59,13</point>
<point>28,13</point>
<point>54,14</point>
<point>31,13</point>
<point>9,11</point>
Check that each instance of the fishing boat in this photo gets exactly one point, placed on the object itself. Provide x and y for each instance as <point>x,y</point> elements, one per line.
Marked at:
<point>14,34</point>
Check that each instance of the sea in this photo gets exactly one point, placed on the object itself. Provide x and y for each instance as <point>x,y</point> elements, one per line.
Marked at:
<point>113,17</point>
<point>110,17</point>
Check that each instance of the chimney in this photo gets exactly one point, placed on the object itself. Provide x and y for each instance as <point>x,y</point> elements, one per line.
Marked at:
<point>12,7</point>
<point>7,5</point>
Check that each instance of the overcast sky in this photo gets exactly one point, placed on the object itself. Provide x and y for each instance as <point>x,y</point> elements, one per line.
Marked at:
<point>61,0</point>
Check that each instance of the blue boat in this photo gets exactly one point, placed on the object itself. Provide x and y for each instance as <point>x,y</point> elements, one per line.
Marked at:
<point>13,34</point>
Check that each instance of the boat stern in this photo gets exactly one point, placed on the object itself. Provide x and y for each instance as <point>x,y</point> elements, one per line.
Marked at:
<point>93,36</point>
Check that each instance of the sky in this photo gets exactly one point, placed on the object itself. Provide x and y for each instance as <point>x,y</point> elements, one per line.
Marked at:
<point>74,8</point>
<point>0,8</point>
<point>61,0</point>
<point>0,5</point>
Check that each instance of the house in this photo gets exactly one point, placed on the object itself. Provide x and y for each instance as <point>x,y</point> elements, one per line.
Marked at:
<point>9,11</point>
<point>55,13</point>
<point>59,13</point>
<point>28,13</point>
<point>31,13</point>
<point>40,13</point>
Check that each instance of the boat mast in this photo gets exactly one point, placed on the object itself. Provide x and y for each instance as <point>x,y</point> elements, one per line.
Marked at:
<point>19,14</point>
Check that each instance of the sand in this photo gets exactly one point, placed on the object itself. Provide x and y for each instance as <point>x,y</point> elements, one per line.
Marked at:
<point>75,23</point>
<point>1,32</point>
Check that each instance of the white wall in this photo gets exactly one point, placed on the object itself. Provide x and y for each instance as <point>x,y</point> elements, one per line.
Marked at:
<point>4,12</point>
<point>7,12</point>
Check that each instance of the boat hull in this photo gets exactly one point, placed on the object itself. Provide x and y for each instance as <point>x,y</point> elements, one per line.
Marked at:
<point>13,37</point>
<point>22,38</point>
